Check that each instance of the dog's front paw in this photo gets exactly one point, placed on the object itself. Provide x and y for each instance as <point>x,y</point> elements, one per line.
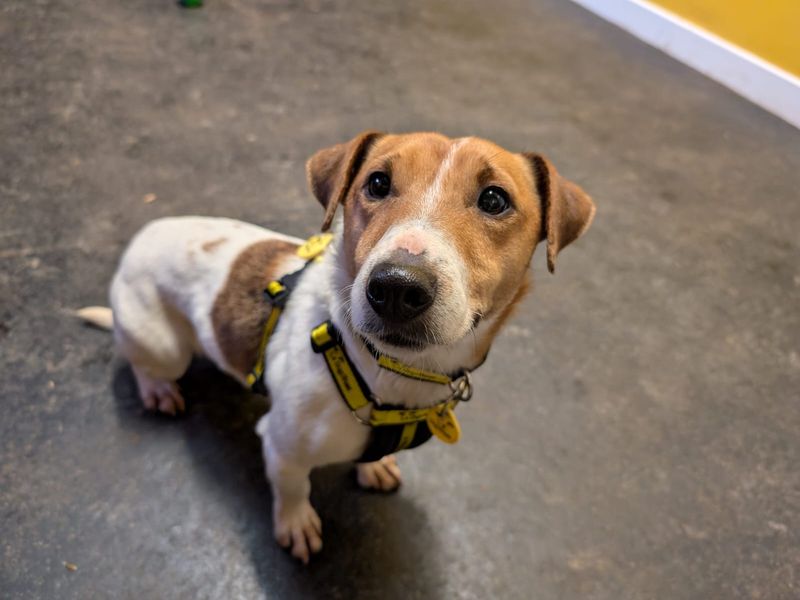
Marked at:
<point>383,474</point>
<point>299,529</point>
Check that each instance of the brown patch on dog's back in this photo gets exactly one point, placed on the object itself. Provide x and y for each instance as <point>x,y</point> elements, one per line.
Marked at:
<point>240,310</point>
<point>209,246</point>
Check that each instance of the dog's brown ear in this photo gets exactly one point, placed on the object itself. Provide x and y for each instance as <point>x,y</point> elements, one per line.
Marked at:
<point>331,171</point>
<point>567,211</point>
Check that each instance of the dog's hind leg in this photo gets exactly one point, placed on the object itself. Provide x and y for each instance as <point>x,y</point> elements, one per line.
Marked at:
<point>159,394</point>
<point>157,365</point>
<point>158,341</point>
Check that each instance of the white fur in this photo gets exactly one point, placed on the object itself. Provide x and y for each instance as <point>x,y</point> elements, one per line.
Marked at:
<point>99,316</point>
<point>162,297</point>
<point>434,192</point>
<point>450,315</point>
<point>165,287</point>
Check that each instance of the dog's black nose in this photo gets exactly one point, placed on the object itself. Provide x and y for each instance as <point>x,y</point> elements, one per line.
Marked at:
<point>399,293</point>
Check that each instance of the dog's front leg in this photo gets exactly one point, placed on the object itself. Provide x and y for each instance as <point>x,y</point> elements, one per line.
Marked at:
<point>382,475</point>
<point>296,524</point>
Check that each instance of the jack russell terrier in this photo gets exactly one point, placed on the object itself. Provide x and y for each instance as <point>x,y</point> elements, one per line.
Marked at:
<point>372,350</point>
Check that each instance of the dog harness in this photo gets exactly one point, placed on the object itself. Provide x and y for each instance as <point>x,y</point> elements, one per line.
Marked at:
<point>394,428</point>
<point>277,294</point>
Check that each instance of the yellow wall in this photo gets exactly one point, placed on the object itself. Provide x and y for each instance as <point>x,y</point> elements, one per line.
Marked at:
<point>769,29</point>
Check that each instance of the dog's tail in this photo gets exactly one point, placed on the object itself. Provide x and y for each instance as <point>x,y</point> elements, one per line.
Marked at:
<point>99,316</point>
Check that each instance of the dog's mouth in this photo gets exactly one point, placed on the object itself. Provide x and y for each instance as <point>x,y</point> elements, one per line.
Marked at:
<point>401,340</point>
<point>398,337</point>
<point>415,336</point>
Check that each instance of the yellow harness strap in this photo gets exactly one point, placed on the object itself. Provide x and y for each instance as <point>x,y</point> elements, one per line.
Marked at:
<point>390,364</point>
<point>394,365</point>
<point>326,340</point>
<point>274,288</point>
<point>350,384</point>
<point>277,292</point>
<point>314,246</point>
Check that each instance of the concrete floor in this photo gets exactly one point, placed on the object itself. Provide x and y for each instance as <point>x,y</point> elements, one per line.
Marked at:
<point>635,431</point>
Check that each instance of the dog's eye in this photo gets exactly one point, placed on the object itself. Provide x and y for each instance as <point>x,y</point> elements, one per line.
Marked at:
<point>494,200</point>
<point>379,184</point>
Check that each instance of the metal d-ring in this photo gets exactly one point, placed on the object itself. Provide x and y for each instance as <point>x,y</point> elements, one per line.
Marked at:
<point>359,418</point>
<point>461,388</point>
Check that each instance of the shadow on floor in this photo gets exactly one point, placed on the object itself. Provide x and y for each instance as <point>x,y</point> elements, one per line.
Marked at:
<point>372,541</point>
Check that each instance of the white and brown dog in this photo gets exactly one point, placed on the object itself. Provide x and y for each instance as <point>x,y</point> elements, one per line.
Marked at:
<point>427,263</point>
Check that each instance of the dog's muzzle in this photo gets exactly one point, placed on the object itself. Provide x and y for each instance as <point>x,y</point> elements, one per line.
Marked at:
<point>401,290</point>
<point>399,293</point>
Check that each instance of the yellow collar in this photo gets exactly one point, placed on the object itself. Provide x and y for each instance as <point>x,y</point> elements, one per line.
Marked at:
<point>440,418</point>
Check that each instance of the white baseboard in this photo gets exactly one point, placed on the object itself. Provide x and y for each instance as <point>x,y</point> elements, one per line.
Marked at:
<point>754,78</point>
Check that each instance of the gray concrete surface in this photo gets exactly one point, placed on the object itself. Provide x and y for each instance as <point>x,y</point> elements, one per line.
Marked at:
<point>635,431</point>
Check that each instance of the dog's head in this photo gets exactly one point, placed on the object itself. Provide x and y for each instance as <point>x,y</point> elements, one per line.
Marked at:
<point>438,233</point>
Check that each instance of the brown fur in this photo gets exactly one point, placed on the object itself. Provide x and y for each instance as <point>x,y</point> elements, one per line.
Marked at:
<point>568,210</point>
<point>240,310</point>
<point>482,349</point>
<point>331,172</point>
<point>413,161</point>
<point>497,251</point>
<point>209,246</point>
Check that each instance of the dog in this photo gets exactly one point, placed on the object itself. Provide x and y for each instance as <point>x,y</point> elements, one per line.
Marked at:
<point>427,262</point>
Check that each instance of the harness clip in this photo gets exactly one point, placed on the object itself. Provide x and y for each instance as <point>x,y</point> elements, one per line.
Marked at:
<point>461,388</point>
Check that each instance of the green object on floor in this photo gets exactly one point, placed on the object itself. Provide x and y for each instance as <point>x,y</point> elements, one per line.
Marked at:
<point>191,3</point>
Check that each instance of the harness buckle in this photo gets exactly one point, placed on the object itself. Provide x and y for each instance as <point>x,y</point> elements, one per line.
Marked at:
<point>277,294</point>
